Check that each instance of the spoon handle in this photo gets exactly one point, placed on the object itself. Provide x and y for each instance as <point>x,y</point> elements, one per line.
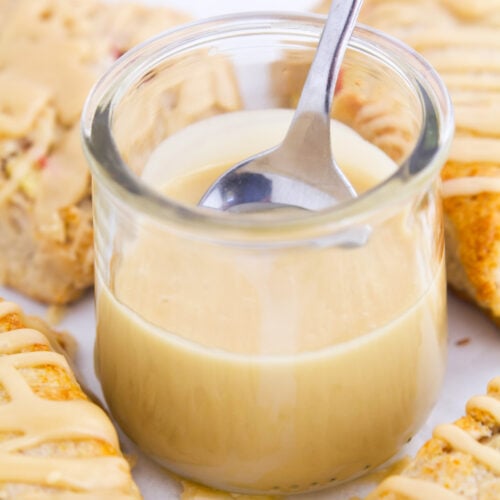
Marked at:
<point>317,94</point>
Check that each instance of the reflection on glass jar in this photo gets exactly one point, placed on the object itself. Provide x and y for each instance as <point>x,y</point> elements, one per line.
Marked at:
<point>256,352</point>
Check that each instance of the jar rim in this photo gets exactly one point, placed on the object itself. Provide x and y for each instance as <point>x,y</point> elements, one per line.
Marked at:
<point>413,175</point>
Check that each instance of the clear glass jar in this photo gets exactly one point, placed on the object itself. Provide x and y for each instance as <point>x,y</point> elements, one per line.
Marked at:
<point>260,354</point>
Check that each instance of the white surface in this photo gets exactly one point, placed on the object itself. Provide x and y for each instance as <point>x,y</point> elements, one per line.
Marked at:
<point>470,366</point>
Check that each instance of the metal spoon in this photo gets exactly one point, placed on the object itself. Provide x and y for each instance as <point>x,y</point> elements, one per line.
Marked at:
<point>301,171</point>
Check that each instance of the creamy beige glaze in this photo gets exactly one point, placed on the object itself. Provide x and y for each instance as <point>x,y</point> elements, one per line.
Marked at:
<point>35,421</point>
<point>192,491</point>
<point>51,53</point>
<point>460,440</point>
<point>279,370</point>
<point>469,186</point>
<point>416,489</point>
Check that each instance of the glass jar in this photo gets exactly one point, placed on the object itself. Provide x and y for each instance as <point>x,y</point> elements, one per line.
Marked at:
<point>264,354</point>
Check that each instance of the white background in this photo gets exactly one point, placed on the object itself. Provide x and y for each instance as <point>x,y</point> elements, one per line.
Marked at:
<point>470,366</point>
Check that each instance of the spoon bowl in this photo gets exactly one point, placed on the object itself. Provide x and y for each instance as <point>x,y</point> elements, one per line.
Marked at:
<point>301,171</point>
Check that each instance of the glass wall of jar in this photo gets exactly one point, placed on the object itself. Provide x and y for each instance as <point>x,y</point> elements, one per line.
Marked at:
<point>265,353</point>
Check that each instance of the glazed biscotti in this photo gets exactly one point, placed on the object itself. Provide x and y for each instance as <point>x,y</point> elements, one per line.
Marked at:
<point>461,40</point>
<point>460,462</point>
<point>51,53</point>
<point>54,442</point>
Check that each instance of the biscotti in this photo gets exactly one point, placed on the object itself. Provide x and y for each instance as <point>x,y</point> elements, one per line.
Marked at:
<point>51,53</point>
<point>460,462</point>
<point>54,442</point>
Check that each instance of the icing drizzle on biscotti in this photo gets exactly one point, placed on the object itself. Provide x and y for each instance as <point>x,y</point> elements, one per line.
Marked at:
<point>456,439</point>
<point>29,421</point>
<point>470,186</point>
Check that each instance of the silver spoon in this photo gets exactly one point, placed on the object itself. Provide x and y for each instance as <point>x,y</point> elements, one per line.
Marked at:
<point>301,171</point>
